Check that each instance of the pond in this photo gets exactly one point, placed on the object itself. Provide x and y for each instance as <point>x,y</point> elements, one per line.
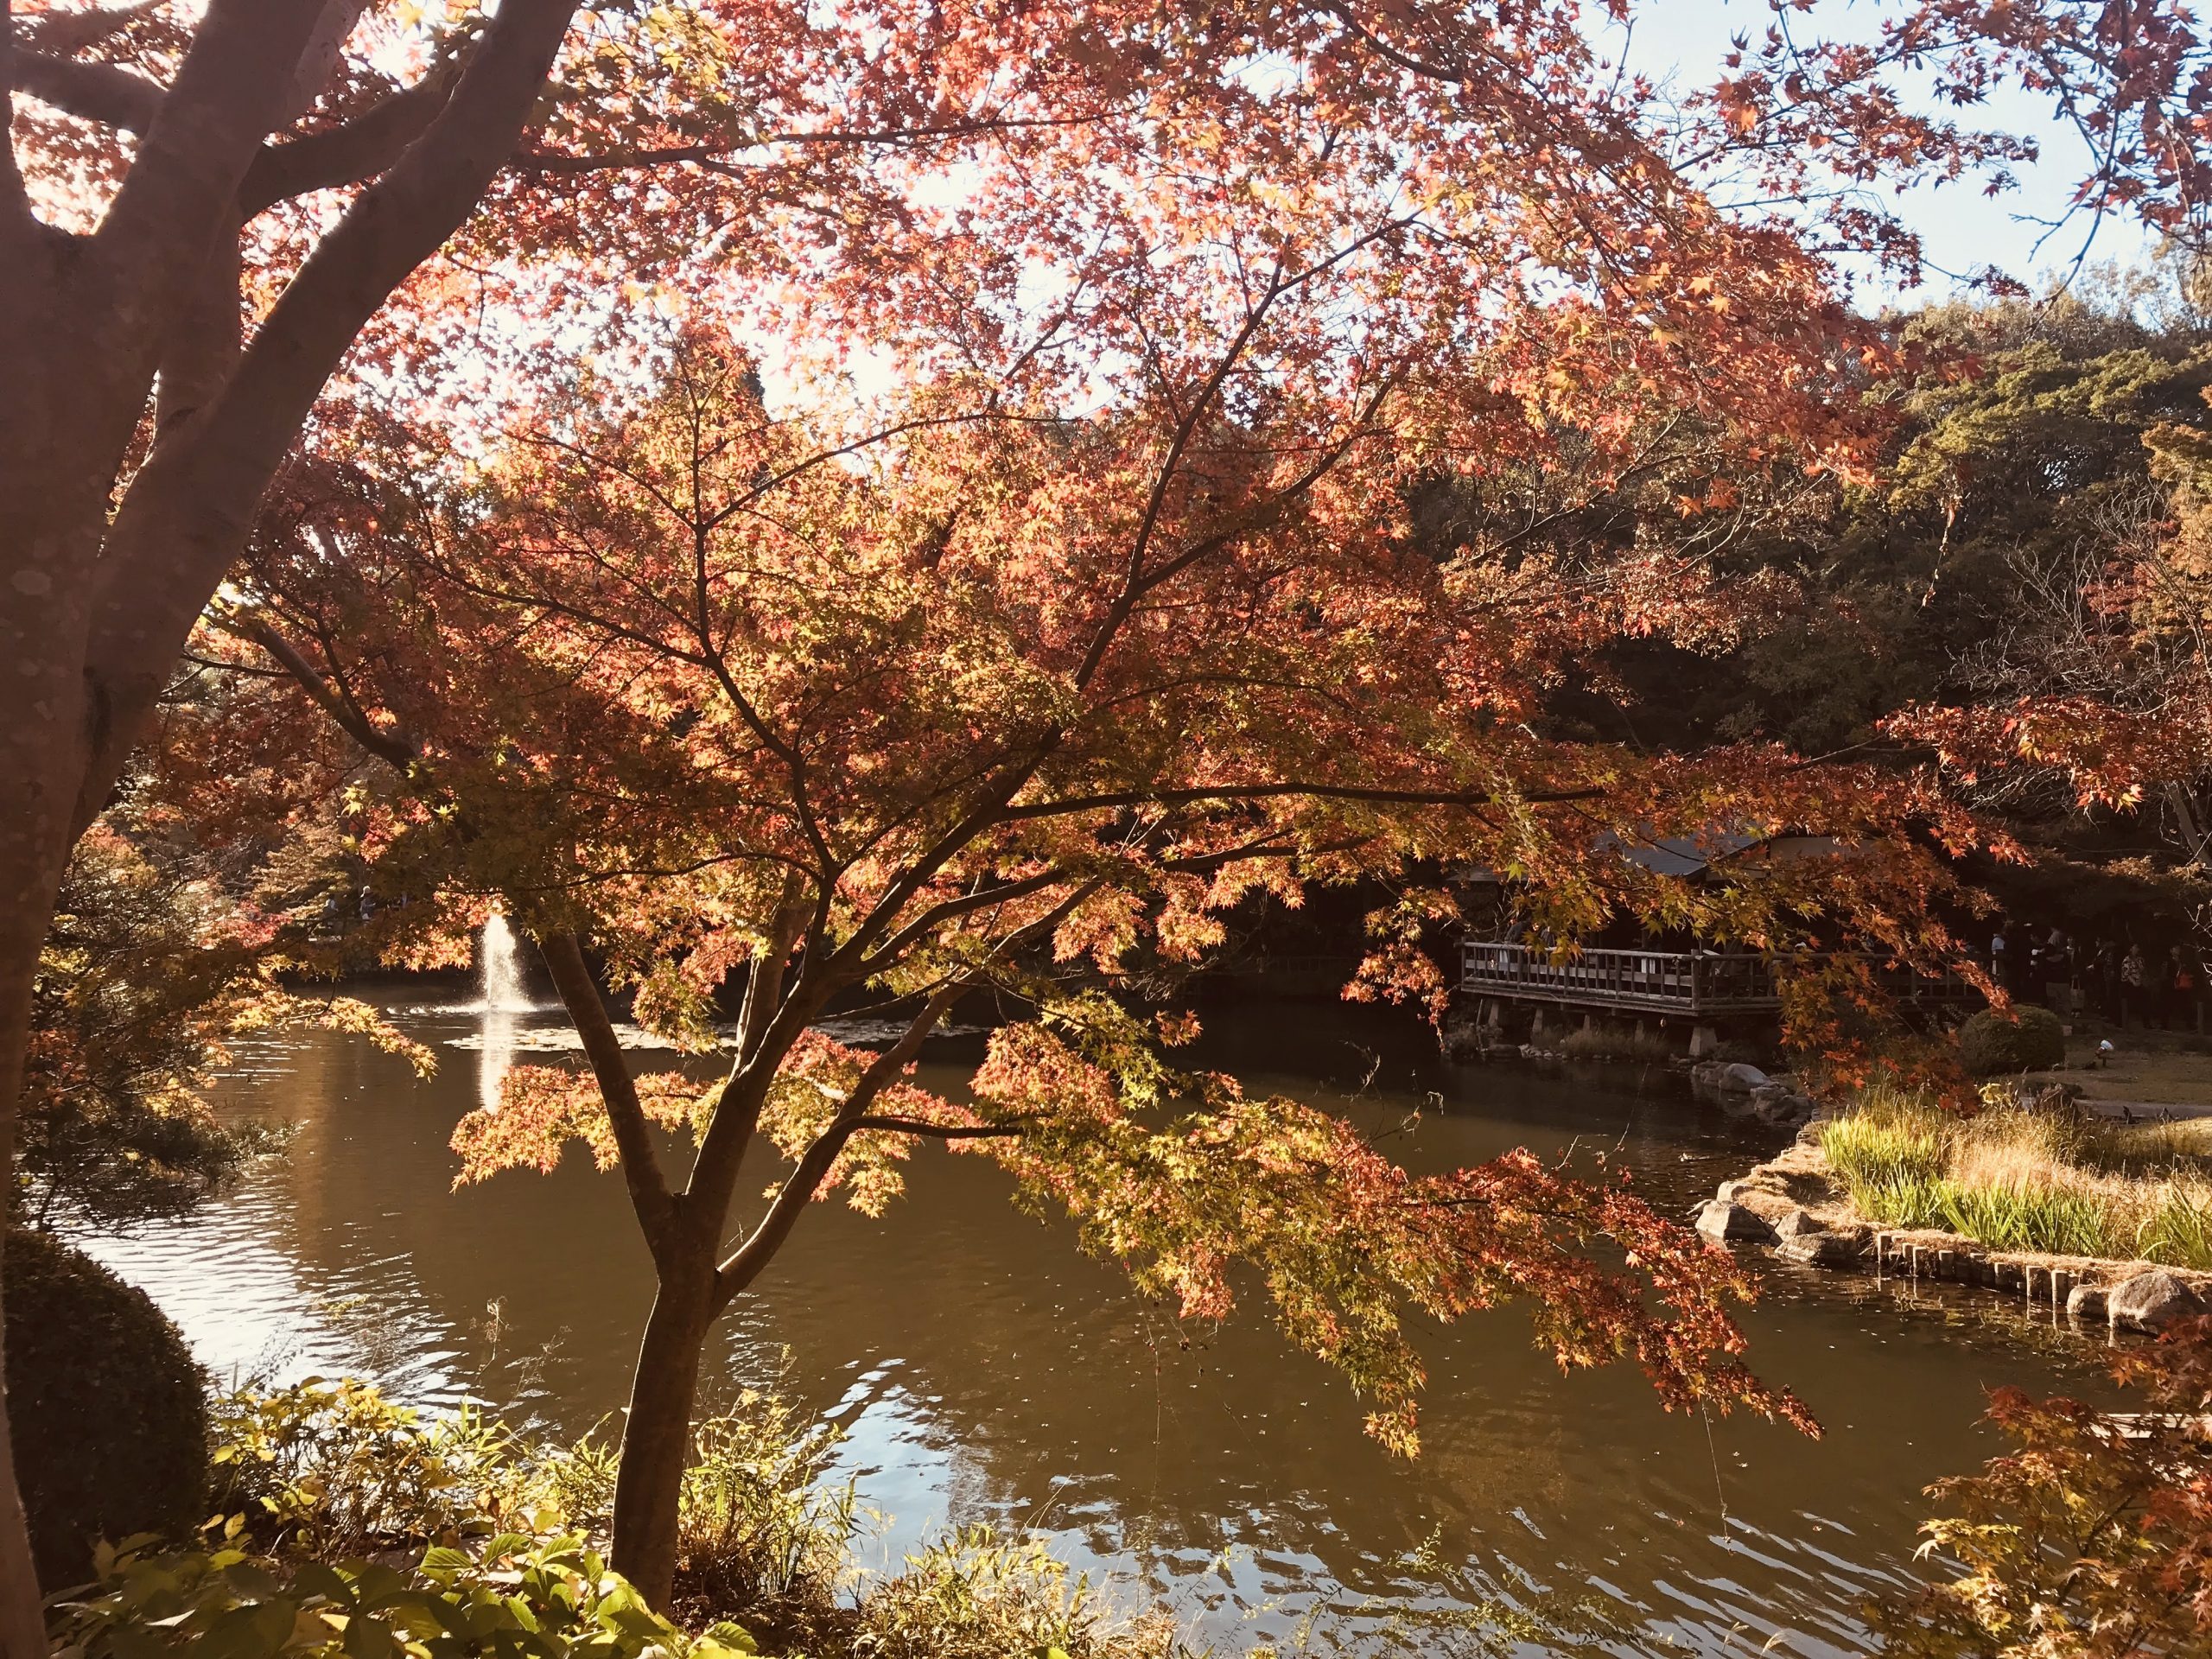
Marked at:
<point>986,1369</point>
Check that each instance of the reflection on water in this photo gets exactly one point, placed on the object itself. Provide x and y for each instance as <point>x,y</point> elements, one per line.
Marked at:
<point>986,1371</point>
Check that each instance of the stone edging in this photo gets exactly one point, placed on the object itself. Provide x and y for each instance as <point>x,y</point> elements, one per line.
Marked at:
<point>1790,1205</point>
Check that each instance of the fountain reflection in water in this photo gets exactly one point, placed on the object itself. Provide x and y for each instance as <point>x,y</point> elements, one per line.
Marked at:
<point>503,1001</point>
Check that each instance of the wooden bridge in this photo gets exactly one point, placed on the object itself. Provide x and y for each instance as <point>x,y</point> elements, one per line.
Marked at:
<point>1692,984</point>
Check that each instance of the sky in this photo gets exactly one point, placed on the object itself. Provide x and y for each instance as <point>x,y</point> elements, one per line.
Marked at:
<point>1963,230</point>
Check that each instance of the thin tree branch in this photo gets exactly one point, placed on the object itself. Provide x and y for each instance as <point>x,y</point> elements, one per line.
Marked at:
<point>250,625</point>
<point>940,1131</point>
<point>745,1263</point>
<point>1276,790</point>
<point>641,1171</point>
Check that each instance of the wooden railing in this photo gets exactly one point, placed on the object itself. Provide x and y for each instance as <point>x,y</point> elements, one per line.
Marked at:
<point>1664,981</point>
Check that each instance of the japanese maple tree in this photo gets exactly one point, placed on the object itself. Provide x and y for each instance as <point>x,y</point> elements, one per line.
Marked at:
<point>951,691</point>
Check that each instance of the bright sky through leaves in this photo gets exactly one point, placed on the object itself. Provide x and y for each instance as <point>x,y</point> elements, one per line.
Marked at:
<point>1964,229</point>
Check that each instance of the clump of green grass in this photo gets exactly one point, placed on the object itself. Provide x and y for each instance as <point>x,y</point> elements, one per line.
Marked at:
<point>2050,1220</point>
<point>760,1521</point>
<point>1891,1153</point>
<point>2179,1231</point>
<point>2042,1178</point>
<point>978,1594</point>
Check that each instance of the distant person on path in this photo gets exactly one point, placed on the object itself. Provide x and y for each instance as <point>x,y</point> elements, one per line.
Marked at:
<point>1997,959</point>
<point>2181,991</point>
<point>2133,971</point>
<point>2057,978</point>
<point>2103,975</point>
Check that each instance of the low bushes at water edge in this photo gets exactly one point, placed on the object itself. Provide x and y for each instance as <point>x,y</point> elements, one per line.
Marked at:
<point>332,1484</point>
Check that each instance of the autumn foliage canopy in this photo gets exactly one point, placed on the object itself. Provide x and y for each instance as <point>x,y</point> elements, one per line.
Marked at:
<point>899,499</point>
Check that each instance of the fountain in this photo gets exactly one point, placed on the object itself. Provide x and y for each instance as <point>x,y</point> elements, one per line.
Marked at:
<point>503,992</point>
<point>503,1001</point>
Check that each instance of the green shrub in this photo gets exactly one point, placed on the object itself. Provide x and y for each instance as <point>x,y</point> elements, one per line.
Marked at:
<point>108,1410</point>
<point>757,1523</point>
<point>2032,1039</point>
<point>977,1596</point>
<point>330,1470</point>
<point>521,1597</point>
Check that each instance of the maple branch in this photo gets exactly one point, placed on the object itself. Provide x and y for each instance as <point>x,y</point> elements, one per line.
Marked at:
<point>745,1263</point>
<point>939,1131</point>
<point>1381,49</point>
<point>765,983</point>
<point>1267,791</point>
<point>230,92</point>
<point>1156,500</point>
<point>641,1172</point>
<point>356,149</point>
<point>713,157</point>
<point>103,92</point>
<point>950,909</point>
<point>186,512</point>
<point>249,625</point>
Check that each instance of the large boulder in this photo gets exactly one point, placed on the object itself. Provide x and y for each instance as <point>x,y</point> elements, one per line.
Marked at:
<point>1798,1222</point>
<point>1723,1218</point>
<point>2086,1304</point>
<point>1822,1250</point>
<point>1739,1078</point>
<point>2152,1301</point>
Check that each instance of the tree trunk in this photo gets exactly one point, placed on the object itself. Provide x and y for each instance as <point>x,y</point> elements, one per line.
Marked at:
<point>22,1618</point>
<point>657,1439</point>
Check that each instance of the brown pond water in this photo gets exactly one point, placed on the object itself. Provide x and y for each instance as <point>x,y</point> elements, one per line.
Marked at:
<point>985,1369</point>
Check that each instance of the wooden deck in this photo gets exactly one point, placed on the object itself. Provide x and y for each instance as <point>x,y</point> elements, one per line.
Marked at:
<point>1688,983</point>
<point>1650,982</point>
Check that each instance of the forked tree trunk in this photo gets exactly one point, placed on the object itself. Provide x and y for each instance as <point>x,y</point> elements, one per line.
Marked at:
<point>657,1438</point>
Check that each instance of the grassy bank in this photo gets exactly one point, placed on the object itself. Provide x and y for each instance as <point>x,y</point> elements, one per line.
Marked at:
<point>2032,1180</point>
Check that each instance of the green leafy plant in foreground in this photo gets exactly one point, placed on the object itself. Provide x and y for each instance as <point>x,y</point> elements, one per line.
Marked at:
<point>331,1470</point>
<point>521,1597</point>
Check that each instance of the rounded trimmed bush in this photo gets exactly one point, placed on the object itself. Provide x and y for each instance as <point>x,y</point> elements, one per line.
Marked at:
<point>1991,1046</point>
<point>107,1407</point>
